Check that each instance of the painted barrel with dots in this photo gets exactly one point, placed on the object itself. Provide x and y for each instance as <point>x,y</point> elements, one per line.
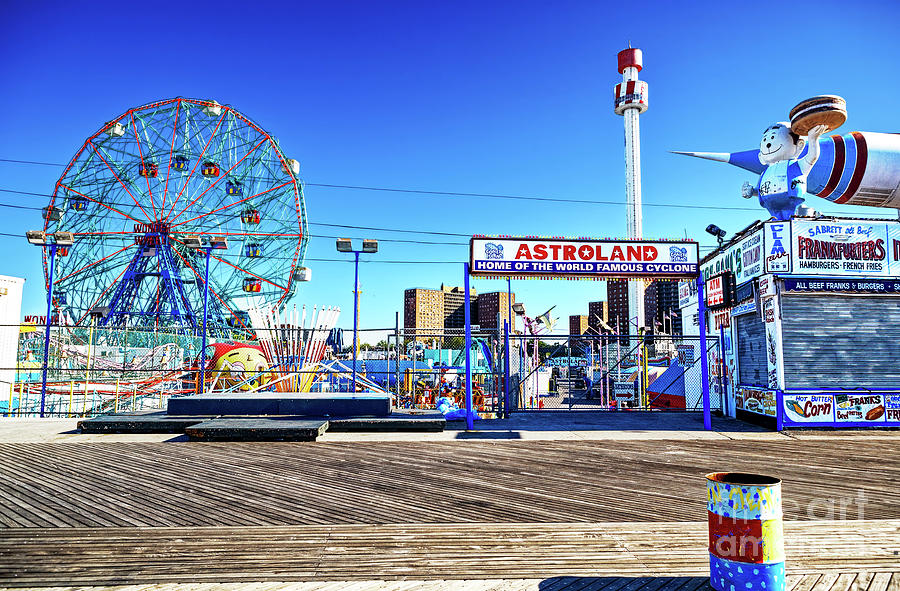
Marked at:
<point>746,537</point>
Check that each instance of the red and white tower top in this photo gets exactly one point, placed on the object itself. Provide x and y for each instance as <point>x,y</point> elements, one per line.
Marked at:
<point>631,93</point>
<point>630,102</point>
<point>630,58</point>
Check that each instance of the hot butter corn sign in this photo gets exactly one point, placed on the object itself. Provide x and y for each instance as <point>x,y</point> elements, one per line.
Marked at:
<point>582,258</point>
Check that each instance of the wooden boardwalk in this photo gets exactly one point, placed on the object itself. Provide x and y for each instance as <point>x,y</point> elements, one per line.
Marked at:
<point>260,484</point>
<point>92,556</point>
<point>546,515</point>
<point>845,581</point>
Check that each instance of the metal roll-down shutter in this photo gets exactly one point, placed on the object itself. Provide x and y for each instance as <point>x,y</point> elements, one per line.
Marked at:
<point>751,350</point>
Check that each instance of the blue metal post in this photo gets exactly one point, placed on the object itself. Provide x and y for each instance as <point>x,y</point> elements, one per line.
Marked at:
<point>704,358</point>
<point>470,412</point>
<point>203,347</point>
<point>47,330</point>
<point>356,316</point>
<point>506,369</point>
<point>509,316</point>
<point>779,410</point>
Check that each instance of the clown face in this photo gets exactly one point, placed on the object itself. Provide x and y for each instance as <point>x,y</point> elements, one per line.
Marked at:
<point>779,143</point>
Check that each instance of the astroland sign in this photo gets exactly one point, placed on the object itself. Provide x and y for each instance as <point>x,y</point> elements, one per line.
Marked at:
<point>583,258</point>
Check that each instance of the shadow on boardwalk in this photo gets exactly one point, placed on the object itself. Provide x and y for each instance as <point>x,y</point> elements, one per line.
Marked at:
<point>624,584</point>
<point>607,421</point>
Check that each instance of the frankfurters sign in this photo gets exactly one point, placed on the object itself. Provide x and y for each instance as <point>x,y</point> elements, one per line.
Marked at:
<point>555,258</point>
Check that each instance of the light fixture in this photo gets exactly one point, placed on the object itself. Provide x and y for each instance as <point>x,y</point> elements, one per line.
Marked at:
<point>41,238</point>
<point>100,312</point>
<point>343,245</point>
<point>519,308</point>
<point>716,231</point>
<point>64,238</point>
<point>370,245</point>
<point>36,237</point>
<point>192,241</point>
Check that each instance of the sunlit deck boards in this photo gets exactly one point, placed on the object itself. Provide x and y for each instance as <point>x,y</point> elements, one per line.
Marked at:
<point>258,484</point>
<point>152,513</point>
<point>108,556</point>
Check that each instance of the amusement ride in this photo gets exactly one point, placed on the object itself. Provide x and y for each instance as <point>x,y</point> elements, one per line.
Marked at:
<point>150,182</point>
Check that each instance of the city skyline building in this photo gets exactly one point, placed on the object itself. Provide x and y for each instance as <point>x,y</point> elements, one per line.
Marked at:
<point>661,307</point>
<point>617,297</point>
<point>494,306</point>
<point>454,306</point>
<point>427,311</point>
<point>423,311</point>
<point>578,324</point>
<point>598,312</point>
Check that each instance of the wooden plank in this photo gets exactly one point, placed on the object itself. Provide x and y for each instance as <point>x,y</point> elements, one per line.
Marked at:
<point>826,582</point>
<point>400,551</point>
<point>232,484</point>
<point>880,582</point>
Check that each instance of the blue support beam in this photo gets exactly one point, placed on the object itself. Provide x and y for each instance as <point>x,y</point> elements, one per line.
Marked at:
<point>506,369</point>
<point>470,412</point>
<point>704,357</point>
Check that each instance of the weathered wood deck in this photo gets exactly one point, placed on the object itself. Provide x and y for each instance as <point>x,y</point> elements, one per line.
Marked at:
<point>846,581</point>
<point>108,556</point>
<point>258,484</point>
<point>159,513</point>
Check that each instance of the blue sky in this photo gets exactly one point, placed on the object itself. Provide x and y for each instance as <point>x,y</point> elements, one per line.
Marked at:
<point>509,98</point>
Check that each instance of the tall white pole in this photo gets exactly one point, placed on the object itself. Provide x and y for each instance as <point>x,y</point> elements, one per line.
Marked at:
<point>630,102</point>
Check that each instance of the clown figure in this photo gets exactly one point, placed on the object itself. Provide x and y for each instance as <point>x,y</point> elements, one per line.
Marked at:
<point>781,185</point>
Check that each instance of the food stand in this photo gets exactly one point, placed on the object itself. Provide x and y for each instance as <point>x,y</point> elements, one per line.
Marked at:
<point>811,331</point>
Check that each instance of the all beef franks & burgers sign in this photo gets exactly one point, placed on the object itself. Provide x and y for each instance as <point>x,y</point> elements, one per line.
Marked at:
<point>653,259</point>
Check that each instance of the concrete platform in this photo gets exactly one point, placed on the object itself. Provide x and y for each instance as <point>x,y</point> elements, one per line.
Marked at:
<point>399,421</point>
<point>257,429</point>
<point>329,404</point>
<point>152,422</point>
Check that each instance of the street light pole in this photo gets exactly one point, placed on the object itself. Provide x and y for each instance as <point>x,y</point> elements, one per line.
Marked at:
<point>54,241</point>
<point>355,316</point>
<point>368,246</point>
<point>208,250</point>
<point>207,244</point>
<point>47,330</point>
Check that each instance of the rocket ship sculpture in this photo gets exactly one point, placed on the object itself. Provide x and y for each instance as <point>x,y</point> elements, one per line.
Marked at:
<point>857,168</point>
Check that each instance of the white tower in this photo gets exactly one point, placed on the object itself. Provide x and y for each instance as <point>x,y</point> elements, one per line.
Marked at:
<point>631,101</point>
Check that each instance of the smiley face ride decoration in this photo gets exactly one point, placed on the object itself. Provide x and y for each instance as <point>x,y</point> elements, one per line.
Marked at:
<point>240,366</point>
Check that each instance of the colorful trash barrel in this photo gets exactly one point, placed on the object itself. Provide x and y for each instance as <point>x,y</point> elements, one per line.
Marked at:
<point>746,538</point>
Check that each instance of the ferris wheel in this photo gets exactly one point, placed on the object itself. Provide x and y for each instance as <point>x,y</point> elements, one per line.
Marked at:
<point>148,188</point>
